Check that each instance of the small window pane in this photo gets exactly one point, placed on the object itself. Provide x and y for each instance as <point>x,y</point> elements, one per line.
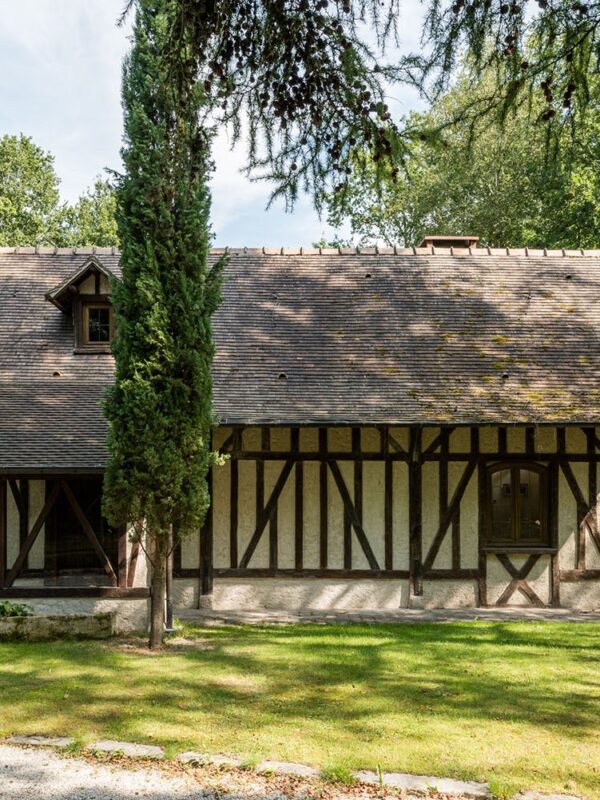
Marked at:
<point>98,325</point>
<point>502,505</point>
<point>531,518</point>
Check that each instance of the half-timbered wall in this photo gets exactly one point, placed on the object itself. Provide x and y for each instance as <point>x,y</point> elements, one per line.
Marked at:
<point>347,518</point>
<point>391,517</point>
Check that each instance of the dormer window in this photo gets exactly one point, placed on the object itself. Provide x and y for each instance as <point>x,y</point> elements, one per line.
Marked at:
<point>86,295</point>
<point>97,325</point>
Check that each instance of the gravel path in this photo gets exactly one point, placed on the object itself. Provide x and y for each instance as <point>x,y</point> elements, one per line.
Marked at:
<point>27,774</point>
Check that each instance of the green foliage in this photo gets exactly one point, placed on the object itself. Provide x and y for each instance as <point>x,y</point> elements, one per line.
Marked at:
<point>30,209</point>
<point>505,182</point>
<point>10,609</point>
<point>298,79</point>
<point>160,408</point>
<point>92,221</point>
<point>546,50</point>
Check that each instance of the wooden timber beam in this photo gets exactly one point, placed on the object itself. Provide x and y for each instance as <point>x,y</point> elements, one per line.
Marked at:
<point>323,503</point>
<point>395,444</point>
<point>415,510</point>
<point>3,537</point>
<point>74,591</point>
<point>353,515</point>
<point>206,544</point>
<point>586,517</point>
<point>89,532</point>
<point>33,534</point>
<point>266,513</point>
<point>449,514</point>
<point>518,581</point>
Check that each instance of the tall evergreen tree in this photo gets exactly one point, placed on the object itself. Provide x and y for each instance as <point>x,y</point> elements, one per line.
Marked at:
<point>159,410</point>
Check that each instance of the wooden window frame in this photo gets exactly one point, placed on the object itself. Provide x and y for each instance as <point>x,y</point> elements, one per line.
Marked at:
<point>544,541</point>
<point>81,306</point>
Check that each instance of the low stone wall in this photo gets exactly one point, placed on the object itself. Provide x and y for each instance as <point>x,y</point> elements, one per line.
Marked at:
<point>42,628</point>
<point>131,614</point>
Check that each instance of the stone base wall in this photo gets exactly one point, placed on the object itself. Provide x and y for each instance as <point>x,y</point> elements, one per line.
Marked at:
<point>322,594</point>
<point>448,594</point>
<point>185,592</point>
<point>130,615</point>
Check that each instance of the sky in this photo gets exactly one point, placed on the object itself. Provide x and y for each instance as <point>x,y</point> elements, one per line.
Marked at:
<point>60,74</point>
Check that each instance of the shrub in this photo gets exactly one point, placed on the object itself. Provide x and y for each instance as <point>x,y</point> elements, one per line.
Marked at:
<point>9,609</point>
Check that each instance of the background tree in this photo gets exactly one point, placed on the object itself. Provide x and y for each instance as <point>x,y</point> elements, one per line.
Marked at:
<point>313,92</point>
<point>503,181</point>
<point>160,408</point>
<point>92,220</point>
<point>30,209</point>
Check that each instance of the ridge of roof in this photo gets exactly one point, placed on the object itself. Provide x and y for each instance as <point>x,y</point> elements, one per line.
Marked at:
<point>326,251</point>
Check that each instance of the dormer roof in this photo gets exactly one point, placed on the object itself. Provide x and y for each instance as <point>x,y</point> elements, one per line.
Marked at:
<point>62,295</point>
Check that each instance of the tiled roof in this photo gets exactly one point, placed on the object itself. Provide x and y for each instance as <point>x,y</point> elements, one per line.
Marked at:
<point>369,337</point>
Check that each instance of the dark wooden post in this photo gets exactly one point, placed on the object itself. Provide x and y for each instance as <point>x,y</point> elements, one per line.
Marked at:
<point>553,510</point>
<point>415,511</point>
<point>169,585</point>
<point>481,526</point>
<point>3,542</point>
<point>122,556</point>
<point>388,501</point>
<point>323,500</point>
<point>206,549</point>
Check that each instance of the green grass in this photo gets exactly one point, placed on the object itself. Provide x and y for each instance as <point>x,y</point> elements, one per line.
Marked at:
<point>517,704</point>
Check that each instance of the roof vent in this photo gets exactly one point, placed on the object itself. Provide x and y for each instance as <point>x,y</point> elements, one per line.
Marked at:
<point>450,241</point>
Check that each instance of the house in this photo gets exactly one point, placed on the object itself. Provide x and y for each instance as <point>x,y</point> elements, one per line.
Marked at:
<point>406,427</point>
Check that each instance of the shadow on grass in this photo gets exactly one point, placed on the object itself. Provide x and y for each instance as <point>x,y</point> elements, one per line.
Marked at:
<point>380,682</point>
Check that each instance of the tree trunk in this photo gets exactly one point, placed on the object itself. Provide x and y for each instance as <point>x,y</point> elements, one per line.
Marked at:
<point>157,602</point>
<point>169,584</point>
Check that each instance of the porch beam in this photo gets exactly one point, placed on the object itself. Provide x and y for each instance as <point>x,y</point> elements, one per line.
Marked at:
<point>3,541</point>
<point>133,556</point>
<point>122,556</point>
<point>89,532</point>
<point>415,510</point>
<point>33,534</point>
<point>24,592</point>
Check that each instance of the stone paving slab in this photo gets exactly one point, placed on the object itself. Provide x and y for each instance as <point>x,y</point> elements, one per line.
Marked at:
<point>424,784</point>
<point>419,784</point>
<point>127,749</point>
<point>226,762</point>
<point>209,617</point>
<point>287,768</point>
<point>42,741</point>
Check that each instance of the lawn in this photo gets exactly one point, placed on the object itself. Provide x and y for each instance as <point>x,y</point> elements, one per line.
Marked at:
<point>517,704</point>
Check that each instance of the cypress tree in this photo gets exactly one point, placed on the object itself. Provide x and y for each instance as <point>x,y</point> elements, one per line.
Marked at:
<point>160,408</point>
